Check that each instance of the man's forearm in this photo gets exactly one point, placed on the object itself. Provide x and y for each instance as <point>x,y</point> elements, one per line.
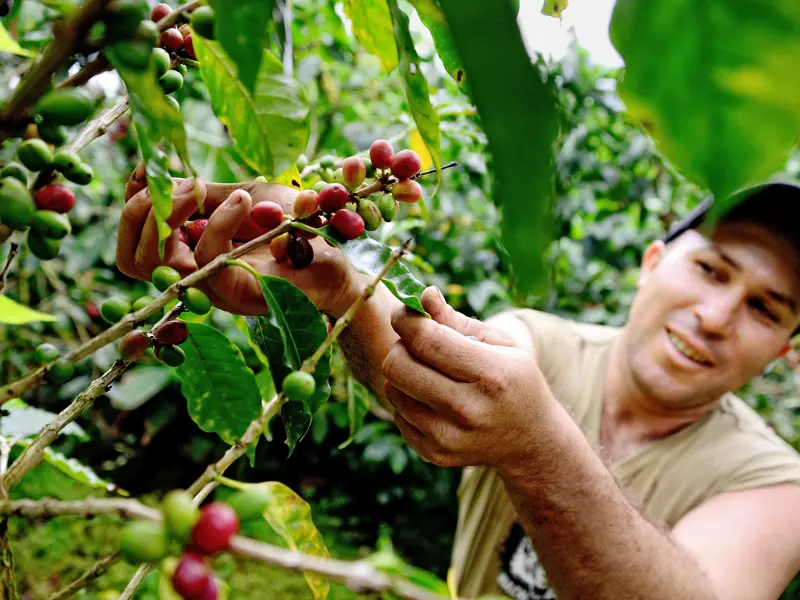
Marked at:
<point>590,539</point>
<point>367,340</point>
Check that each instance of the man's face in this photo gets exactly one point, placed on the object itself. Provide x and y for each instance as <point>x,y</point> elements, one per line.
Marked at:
<point>710,314</point>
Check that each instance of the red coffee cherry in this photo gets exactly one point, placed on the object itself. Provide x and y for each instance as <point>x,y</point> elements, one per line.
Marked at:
<point>300,252</point>
<point>182,237</point>
<point>195,229</point>
<point>171,39</point>
<point>55,197</point>
<point>185,30</point>
<point>134,345</point>
<point>306,204</point>
<point>217,524</point>
<point>212,591</point>
<point>188,46</point>
<point>172,333</point>
<point>348,223</point>
<point>160,11</point>
<point>406,164</point>
<point>407,191</point>
<point>380,153</point>
<point>354,171</point>
<point>316,221</point>
<point>277,247</point>
<point>192,577</point>
<point>267,214</point>
<point>333,197</point>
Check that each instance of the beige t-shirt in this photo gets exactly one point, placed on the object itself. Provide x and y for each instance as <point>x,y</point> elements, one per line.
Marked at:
<point>732,448</point>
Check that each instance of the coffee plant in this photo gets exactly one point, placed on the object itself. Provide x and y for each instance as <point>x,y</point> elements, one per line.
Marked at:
<point>713,117</point>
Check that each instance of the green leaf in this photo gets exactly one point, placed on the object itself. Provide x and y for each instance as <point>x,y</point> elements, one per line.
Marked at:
<point>290,516</point>
<point>220,389</point>
<point>59,477</point>
<point>722,98</point>
<point>521,127</point>
<point>9,44</point>
<point>290,333</point>
<point>12,313</point>
<point>241,28</point>
<point>372,26</point>
<point>433,18</point>
<point>155,119</point>
<point>270,126</point>
<point>388,561</point>
<point>368,256</point>
<point>416,86</point>
<point>358,402</point>
<point>25,421</point>
<point>554,8</point>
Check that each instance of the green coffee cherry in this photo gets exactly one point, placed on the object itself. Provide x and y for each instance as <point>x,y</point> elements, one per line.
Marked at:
<point>60,371</point>
<point>45,353</point>
<point>196,301</point>
<point>249,503</point>
<point>370,213</point>
<point>123,17</point>
<point>301,162</point>
<point>370,167</point>
<point>65,161</point>
<point>144,301</point>
<point>147,32</point>
<point>16,203</point>
<point>64,106</point>
<point>388,207</point>
<point>82,174</point>
<point>180,514</point>
<point>52,134</point>
<point>351,206</point>
<point>160,59</point>
<point>144,541</point>
<point>202,21</point>
<point>51,224</point>
<point>327,161</point>
<point>165,276</point>
<point>171,81</point>
<point>318,187</point>
<point>338,176</point>
<point>174,103</point>
<point>299,386</point>
<point>114,309</point>
<point>172,356</point>
<point>43,248</point>
<point>181,68</point>
<point>35,154</point>
<point>134,54</point>
<point>15,170</point>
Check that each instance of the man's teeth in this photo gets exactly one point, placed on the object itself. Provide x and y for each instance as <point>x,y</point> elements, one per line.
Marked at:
<point>681,346</point>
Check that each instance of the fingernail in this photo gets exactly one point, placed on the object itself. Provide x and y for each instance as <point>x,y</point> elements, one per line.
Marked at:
<point>234,199</point>
<point>441,295</point>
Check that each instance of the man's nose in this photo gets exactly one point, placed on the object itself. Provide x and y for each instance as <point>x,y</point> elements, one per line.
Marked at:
<point>717,313</point>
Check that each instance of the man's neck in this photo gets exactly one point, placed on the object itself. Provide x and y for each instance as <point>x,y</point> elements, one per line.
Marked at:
<point>631,419</point>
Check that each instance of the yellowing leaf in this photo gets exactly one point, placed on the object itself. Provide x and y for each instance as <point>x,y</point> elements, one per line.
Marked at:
<point>290,516</point>
<point>12,313</point>
<point>417,144</point>
<point>9,44</point>
<point>554,8</point>
<point>372,27</point>
<point>290,177</point>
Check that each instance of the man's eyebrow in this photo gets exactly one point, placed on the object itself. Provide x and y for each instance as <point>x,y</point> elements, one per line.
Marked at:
<point>777,296</point>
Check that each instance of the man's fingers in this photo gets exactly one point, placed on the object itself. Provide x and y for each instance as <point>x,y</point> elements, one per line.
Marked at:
<point>136,182</point>
<point>184,203</point>
<point>216,239</point>
<point>441,312</point>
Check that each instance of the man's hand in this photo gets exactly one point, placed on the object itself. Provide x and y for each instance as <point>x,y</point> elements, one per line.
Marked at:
<point>329,282</point>
<point>461,401</point>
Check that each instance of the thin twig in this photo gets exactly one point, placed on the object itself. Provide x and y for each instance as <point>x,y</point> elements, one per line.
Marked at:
<point>33,454</point>
<point>380,185</point>
<point>12,253</point>
<point>143,571</point>
<point>90,507</point>
<point>66,38</point>
<point>95,571</point>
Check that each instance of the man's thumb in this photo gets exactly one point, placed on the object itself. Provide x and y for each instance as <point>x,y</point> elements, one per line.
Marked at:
<point>440,311</point>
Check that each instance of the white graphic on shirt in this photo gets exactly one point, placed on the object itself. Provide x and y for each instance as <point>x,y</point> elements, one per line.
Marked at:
<point>523,578</point>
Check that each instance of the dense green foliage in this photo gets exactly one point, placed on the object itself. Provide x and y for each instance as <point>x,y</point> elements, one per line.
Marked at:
<point>614,191</point>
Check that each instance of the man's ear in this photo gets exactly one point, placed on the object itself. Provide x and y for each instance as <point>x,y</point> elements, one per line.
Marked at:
<point>652,256</point>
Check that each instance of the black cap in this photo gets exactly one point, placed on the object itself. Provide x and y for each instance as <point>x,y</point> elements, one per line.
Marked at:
<point>774,205</point>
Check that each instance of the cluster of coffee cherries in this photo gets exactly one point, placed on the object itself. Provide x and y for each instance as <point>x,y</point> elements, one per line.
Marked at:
<point>168,337</point>
<point>196,534</point>
<point>60,370</point>
<point>349,204</point>
<point>43,210</point>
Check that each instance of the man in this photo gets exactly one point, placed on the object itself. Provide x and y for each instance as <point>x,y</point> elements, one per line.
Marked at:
<point>554,419</point>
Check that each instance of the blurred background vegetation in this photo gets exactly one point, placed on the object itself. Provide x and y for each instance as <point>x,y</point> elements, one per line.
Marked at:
<point>615,194</point>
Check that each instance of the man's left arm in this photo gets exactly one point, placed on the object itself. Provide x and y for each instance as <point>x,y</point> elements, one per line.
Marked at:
<point>461,402</point>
